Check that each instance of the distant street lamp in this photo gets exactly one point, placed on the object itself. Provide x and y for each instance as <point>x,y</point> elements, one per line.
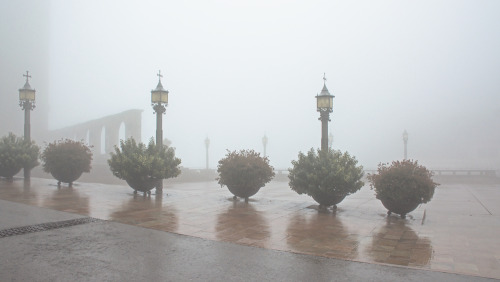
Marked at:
<point>405,140</point>
<point>207,144</point>
<point>159,100</point>
<point>264,143</point>
<point>27,103</point>
<point>330,140</point>
<point>325,107</point>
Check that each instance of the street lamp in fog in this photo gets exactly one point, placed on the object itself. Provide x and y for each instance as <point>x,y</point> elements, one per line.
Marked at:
<point>325,107</point>
<point>264,144</point>
<point>405,140</point>
<point>330,140</point>
<point>207,144</point>
<point>159,100</point>
<point>27,103</point>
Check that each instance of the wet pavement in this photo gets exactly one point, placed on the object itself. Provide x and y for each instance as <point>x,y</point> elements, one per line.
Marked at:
<point>100,250</point>
<point>456,232</point>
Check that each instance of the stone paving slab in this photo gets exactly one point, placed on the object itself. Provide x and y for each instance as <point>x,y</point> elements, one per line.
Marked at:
<point>456,232</point>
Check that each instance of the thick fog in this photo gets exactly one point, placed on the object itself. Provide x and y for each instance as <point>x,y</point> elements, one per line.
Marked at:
<point>237,70</point>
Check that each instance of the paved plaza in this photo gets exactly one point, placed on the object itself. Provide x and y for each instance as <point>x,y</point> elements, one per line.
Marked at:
<point>457,232</point>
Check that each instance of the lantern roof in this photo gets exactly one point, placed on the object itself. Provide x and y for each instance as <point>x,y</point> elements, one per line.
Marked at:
<point>324,91</point>
<point>27,85</point>
<point>159,87</point>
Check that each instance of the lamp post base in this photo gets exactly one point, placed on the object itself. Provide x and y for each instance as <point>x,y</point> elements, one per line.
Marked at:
<point>27,174</point>
<point>159,187</point>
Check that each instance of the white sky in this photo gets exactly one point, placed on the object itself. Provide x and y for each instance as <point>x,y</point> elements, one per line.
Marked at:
<point>239,69</point>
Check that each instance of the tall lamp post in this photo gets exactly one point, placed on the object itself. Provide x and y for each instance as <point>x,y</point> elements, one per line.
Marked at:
<point>207,144</point>
<point>325,107</point>
<point>264,143</point>
<point>27,103</point>
<point>159,100</point>
<point>405,140</point>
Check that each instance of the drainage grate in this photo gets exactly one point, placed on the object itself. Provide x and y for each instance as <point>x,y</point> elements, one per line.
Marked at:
<point>45,226</point>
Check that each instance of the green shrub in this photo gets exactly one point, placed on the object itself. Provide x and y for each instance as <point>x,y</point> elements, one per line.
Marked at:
<point>402,185</point>
<point>66,160</point>
<point>15,153</point>
<point>141,166</point>
<point>328,177</point>
<point>244,172</point>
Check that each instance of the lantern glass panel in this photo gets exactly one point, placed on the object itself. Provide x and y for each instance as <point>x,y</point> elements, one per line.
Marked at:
<point>155,97</point>
<point>323,102</point>
<point>27,95</point>
<point>159,97</point>
<point>30,95</point>
<point>164,97</point>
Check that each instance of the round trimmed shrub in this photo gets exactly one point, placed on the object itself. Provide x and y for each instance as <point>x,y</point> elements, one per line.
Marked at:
<point>244,172</point>
<point>402,186</point>
<point>328,177</point>
<point>66,160</point>
<point>143,166</point>
<point>15,153</point>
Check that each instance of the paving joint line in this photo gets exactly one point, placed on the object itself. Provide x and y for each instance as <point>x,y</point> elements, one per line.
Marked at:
<point>473,195</point>
<point>46,226</point>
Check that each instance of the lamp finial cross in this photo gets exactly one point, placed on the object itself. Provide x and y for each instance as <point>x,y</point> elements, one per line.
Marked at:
<point>324,77</point>
<point>27,75</point>
<point>159,75</point>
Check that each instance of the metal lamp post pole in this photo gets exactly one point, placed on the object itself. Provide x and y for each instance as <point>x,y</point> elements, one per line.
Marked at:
<point>325,118</point>
<point>27,122</point>
<point>324,106</point>
<point>406,149</point>
<point>264,143</point>
<point>27,103</point>
<point>160,110</point>
<point>27,106</point>
<point>207,144</point>
<point>405,140</point>
<point>159,99</point>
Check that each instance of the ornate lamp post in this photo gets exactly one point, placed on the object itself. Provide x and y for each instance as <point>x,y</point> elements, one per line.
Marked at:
<point>405,140</point>
<point>264,143</point>
<point>325,107</point>
<point>207,144</point>
<point>159,100</point>
<point>27,103</point>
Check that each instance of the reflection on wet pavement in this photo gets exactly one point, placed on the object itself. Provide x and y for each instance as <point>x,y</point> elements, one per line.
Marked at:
<point>321,233</point>
<point>459,232</point>
<point>147,212</point>
<point>67,199</point>
<point>242,223</point>
<point>396,243</point>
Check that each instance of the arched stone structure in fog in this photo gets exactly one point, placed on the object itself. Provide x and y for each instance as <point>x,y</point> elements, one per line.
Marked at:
<point>91,131</point>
